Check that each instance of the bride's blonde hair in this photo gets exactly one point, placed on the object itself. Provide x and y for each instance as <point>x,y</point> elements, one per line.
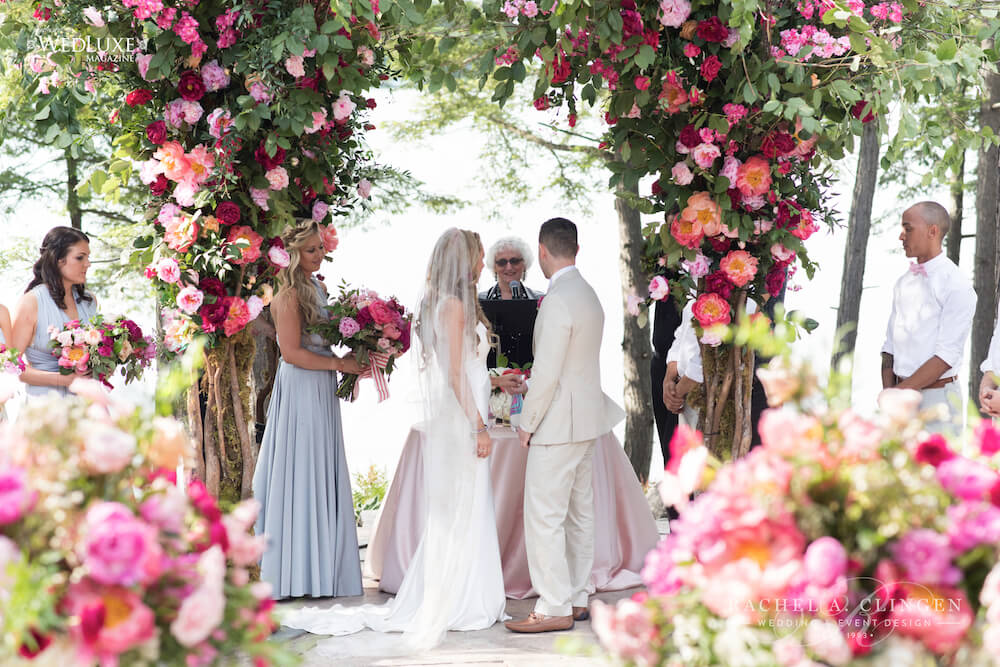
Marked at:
<point>292,278</point>
<point>455,249</point>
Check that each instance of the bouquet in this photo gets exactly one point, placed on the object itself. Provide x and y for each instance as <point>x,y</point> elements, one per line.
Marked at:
<point>11,360</point>
<point>841,540</point>
<point>106,558</point>
<point>101,348</point>
<point>502,404</point>
<point>376,330</point>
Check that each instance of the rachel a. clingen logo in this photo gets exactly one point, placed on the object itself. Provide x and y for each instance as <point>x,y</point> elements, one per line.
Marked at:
<point>869,618</point>
<point>104,49</point>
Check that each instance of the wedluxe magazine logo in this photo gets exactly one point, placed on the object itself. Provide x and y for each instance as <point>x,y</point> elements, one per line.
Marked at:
<point>107,49</point>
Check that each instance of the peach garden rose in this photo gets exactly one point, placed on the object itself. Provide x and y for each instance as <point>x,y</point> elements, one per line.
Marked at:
<point>739,266</point>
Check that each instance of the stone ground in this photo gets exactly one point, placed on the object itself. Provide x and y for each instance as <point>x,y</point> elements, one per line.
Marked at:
<point>495,646</point>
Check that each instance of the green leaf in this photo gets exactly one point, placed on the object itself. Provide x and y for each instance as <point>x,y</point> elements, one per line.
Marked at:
<point>947,49</point>
<point>447,44</point>
<point>645,57</point>
<point>589,94</point>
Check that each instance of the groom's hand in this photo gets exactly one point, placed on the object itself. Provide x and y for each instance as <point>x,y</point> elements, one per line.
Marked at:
<point>524,436</point>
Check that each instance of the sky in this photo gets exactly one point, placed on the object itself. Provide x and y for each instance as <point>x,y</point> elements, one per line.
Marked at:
<point>389,254</point>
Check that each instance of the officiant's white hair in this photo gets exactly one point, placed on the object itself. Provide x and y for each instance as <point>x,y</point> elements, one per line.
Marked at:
<point>510,243</point>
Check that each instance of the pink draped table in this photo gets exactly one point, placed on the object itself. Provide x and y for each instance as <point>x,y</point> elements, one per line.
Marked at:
<point>624,529</point>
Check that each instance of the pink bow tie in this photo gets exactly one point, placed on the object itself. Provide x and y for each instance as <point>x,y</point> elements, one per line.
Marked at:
<point>918,269</point>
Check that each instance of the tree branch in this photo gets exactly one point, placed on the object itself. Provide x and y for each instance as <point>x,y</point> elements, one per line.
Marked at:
<point>551,145</point>
<point>110,215</point>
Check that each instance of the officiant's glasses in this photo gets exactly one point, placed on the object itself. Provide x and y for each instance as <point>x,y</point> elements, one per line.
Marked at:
<point>514,261</point>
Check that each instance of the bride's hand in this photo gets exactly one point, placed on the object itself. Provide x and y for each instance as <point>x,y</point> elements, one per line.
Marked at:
<point>351,366</point>
<point>484,444</point>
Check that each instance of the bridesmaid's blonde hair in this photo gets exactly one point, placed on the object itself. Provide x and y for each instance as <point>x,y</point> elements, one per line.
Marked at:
<point>292,278</point>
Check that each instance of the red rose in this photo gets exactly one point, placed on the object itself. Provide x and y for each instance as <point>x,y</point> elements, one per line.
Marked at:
<point>138,97</point>
<point>370,103</point>
<point>212,286</point>
<point>572,120</point>
<point>718,283</point>
<point>720,243</point>
<point>775,280</point>
<point>542,103</point>
<point>934,451</point>
<point>266,161</point>
<point>191,87</point>
<point>784,142</point>
<point>159,186</point>
<point>710,68</point>
<point>228,213</point>
<point>156,132</point>
<point>713,30</point>
<point>657,190</point>
<point>364,317</point>
<point>690,137</point>
<point>609,119</point>
<point>859,107</point>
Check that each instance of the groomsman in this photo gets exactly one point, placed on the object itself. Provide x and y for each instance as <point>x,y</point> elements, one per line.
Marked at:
<point>932,308</point>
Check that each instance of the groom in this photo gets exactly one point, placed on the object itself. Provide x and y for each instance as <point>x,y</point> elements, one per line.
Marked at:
<point>564,412</point>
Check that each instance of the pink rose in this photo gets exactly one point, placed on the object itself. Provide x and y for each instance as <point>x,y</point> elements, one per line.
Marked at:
<point>117,548</point>
<point>392,332</point>
<point>168,270</point>
<point>343,107</point>
<point>659,288</point>
<point>364,188</point>
<point>705,154</point>
<point>277,178</point>
<point>673,13</point>
<point>781,253</point>
<point>244,549</point>
<point>16,496</point>
<point>825,561</point>
<point>642,82</point>
<point>730,166</point>
<point>697,268</point>
<point>319,210</point>
<point>255,305</point>
<point>330,240</point>
<point>107,449</point>
<point>681,173</point>
<point>295,66</point>
<point>278,256</point>
<point>190,299</point>
<point>200,613</point>
<point>381,312</point>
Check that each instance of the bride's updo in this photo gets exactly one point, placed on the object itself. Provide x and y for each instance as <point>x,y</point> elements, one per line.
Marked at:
<point>292,278</point>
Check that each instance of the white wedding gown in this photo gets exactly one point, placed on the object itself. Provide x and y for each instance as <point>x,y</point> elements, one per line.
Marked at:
<point>454,581</point>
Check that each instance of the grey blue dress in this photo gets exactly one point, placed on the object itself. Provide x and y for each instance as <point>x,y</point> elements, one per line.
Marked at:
<point>39,354</point>
<point>304,487</point>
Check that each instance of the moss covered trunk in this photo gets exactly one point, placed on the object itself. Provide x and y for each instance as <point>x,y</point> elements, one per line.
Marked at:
<point>227,451</point>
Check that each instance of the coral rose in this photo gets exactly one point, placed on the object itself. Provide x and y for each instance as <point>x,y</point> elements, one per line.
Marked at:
<point>246,242</point>
<point>688,232</point>
<point>701,208</point>
<point>739,266</point>
<point>754,177</point>
<point>711,309</point>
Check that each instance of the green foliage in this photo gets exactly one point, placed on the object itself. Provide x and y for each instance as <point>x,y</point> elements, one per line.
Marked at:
<point>369,490</point>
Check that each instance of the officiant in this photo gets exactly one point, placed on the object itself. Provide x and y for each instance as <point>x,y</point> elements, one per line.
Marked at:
<point>510,305</point>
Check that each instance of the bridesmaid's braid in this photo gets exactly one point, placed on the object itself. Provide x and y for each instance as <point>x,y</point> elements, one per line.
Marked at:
<point>55,247</point>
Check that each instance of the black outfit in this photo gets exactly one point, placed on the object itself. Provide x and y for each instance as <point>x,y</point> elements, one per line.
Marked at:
<point>666,320</point>
<point>513,321</point>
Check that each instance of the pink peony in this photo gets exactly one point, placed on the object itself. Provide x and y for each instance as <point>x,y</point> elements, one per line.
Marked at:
<point>214,76</point>
<point>189,299</point>
<point>118,548</point>
<point>246,242</point>
<point>16,496</point>
<point>730,167</point>
<point>965,478</point>
<point>381,312</point>
<point>348,327</point>
<point>925,556</point>
<point>237,315</point>
<point>972,524</point>
<point>711,309</point>
<point>739,266</point>
<point>107,449</point>
<point>255,305</point>
<point>687,231</point>
<point>106,621</point>
<point>681,173</point>
<point>659,288</point>
<point>673,13</point>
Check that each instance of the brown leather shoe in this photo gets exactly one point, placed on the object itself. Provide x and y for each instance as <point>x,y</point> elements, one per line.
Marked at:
<point>581,614</point>
<point>541,623</point>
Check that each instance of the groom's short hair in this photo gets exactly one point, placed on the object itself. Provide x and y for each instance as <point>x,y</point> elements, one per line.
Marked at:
<point>558,235</point>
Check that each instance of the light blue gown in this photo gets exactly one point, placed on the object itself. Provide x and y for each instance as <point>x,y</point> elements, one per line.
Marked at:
<point>39,354</point>
<point>304,487</point>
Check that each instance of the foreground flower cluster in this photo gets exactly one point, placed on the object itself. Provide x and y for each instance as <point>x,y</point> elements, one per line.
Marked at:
<point>841,540</point>
<point>105,559</point>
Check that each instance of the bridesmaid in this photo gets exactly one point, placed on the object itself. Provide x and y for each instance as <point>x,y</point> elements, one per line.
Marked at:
<point>301,479</point>
<point>5,326</point>
<point>55,295</point>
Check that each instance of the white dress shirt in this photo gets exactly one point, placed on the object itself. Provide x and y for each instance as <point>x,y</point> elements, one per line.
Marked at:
<point>931,316</point>
<point>992,361</point>
<point>685,349</point>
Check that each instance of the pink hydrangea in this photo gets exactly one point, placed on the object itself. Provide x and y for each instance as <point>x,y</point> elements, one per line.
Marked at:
<point>118,548</point>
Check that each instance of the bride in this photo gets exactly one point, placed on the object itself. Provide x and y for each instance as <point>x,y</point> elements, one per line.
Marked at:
<point>454,581</point>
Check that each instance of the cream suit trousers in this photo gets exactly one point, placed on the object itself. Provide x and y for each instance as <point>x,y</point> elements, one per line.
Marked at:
<point>559,524</point>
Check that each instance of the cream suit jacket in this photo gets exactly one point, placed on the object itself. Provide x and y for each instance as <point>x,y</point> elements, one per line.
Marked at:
<point>565,402</point>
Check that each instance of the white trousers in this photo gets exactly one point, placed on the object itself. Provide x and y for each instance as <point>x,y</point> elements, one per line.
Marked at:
<point>559,524</point>
<point>948,401</point>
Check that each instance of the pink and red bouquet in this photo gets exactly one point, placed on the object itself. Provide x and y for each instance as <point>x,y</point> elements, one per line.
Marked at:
<point>376,330</point>
<point>11,361</point>
<point>106,558</point>
<point>101,348</point>
<point>841,540</point>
